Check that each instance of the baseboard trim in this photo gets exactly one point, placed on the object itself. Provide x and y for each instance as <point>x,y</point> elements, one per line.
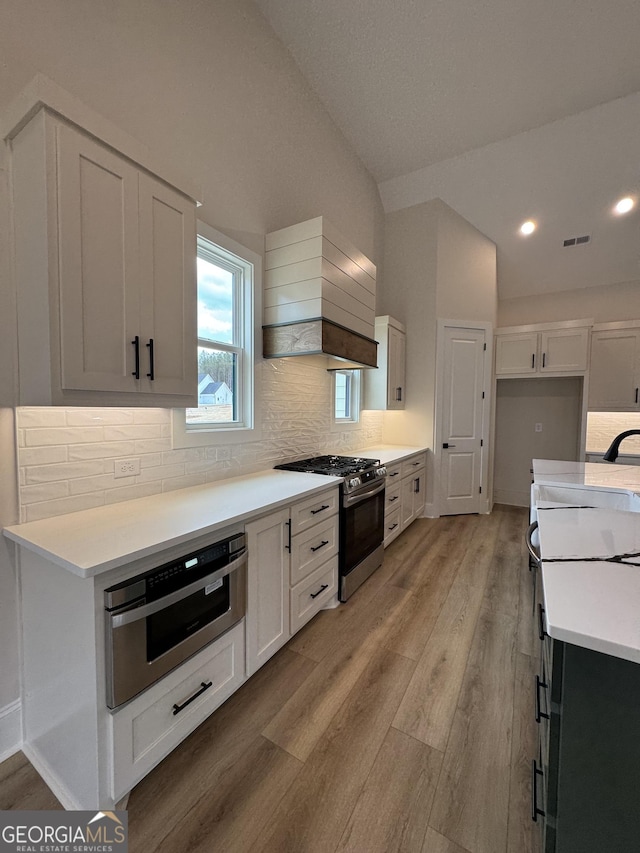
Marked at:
<point>511,497</point>
<point>10,729</point>
<point>42,766</point>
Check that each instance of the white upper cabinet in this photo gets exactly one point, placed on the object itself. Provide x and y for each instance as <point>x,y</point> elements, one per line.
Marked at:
<point>614,370</point>
<point>105,273</point>
<point>540,350</point>
<point>385,387</point>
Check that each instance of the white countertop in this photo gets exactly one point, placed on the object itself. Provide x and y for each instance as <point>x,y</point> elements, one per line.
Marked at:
<point>93,541</point>
<point>388,453</point>
<point>589,600</point>
<point>96,540</point>
<point>588,474</point>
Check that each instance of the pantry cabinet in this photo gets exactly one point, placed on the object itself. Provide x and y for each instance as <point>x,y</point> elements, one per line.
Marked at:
<point>542,350</point>
<point>292,572</point>
<point>385,387</point>
<point>614,369</point>
<point>105,266</point>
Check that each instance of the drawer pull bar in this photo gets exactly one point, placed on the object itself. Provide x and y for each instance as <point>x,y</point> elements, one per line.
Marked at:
<point>535,811</point>
<point>394,498</point>
<point>540,714</point>
<point>322,589</point>
<point>204,685</point>
<point>321,545</point>
<point>320,509</point>
<point>541,631</point>
<point>136,344</point>
<point>393,526</point>
<point>395,474</point>
<point>152,369</point>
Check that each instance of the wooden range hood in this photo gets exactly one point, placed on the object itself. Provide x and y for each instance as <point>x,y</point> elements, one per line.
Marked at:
<point>319,297</point>
<point>320,337</point>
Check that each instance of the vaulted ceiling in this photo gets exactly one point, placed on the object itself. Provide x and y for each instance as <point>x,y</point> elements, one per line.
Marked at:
<point>468,101</point>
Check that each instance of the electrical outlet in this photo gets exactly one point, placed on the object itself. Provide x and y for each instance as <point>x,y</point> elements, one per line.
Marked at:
<point>126,467</point>
<point>538,427</point>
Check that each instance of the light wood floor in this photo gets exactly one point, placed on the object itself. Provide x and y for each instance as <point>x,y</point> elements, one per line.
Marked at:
<point>401,721</point>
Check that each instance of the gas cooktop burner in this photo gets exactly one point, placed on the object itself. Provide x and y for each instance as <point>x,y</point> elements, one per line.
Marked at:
<point>338,466</point>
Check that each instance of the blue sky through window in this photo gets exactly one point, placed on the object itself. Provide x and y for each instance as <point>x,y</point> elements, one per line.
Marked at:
<point>215,302</point>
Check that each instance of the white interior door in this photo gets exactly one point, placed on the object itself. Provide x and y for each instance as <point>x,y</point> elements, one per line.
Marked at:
<point>462,420</point>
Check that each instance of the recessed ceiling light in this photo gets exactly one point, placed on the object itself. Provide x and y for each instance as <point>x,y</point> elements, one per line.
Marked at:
<point>624,205</point>
<point>528,227</point>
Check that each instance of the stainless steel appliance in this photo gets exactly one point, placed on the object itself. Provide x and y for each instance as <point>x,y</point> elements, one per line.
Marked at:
<point>158,619</point>
<point>361,514</point>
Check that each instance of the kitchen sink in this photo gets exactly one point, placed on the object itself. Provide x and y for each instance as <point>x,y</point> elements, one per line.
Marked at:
<point>601,498</point>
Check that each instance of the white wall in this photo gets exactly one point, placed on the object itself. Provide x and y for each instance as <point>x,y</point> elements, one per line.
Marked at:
<point>437,265</point>
<point>210,88</point>
<point>607,303</point>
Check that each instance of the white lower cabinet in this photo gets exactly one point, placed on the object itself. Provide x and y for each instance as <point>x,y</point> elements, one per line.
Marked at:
<point>267,588</point>
<point>292,572</point>
<point>405,495</point>
<point>149,727</point>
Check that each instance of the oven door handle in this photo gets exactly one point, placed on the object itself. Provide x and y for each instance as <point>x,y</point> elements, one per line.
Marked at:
<point>353,500</point>
<point>144,610</point>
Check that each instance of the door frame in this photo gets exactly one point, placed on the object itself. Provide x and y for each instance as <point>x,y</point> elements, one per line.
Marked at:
<point>486,480</point>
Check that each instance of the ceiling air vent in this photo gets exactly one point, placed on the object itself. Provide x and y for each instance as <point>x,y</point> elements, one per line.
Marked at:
<point>577,241</point>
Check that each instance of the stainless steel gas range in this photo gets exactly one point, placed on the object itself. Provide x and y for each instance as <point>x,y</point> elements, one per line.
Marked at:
<point>361,514</point>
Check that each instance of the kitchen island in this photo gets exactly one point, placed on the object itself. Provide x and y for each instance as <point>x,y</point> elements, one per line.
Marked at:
<point>586,773</point>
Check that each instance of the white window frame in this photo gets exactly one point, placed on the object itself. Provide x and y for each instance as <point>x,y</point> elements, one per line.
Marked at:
<point>352,422</point>
<point>247,314</point>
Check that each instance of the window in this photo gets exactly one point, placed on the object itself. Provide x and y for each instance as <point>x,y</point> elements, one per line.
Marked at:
<point>346,396</point>
<point>228,283</point>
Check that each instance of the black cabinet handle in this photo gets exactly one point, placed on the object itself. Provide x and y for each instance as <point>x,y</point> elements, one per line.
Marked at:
<point>416,489</point>
<point>541,631</point>
<point>540,714</point>
<point>399,394</point>
<point>533,359</point>
<point>395,474</point>
<point>544,358</point>
<point>636,395</point>
<point>322,589</point>
<point>535,811</point>
<point>204,685</point>
<point>152,369</point>
<point>394,498</point>
<point>288,546</point>
<point>320,509</point>
<point>136,344</point>
<point>393,526</point>
<point>321,545</point>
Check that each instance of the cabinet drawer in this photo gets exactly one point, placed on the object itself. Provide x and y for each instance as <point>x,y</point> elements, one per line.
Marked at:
<point>307,513</point>
<point>394,473</point>
<point>392,526</point>
<point>392,499</point>
<point>308,597</point>
<point>413,464</point>
<point>313,548</point>
<point>146,730</point>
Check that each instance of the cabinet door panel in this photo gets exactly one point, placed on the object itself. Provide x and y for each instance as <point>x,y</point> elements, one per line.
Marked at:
<point>267,588</point>
<point>564,350</point>
<point>516,353</point>
<point>395,369</point>
<point>612,382</point>
<point>168,288</point>
<point>98,246</point>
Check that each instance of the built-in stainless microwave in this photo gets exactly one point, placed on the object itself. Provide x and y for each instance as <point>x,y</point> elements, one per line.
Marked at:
<point>158,619</point>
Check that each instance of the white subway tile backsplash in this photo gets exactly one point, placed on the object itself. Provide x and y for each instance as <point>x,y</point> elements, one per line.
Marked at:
<point>71,451</point>
<point>102,450</point>
<point>63,435</point>
<point>60,506</point>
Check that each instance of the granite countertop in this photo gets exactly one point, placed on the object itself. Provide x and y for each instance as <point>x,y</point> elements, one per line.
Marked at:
<point>591,560</point>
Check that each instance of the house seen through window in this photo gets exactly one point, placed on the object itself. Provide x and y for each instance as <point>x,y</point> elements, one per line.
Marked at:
<point>224,280</point>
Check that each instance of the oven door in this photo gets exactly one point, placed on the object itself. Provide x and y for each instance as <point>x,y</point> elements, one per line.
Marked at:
<point>146,641</point>
<point>361,536</point>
